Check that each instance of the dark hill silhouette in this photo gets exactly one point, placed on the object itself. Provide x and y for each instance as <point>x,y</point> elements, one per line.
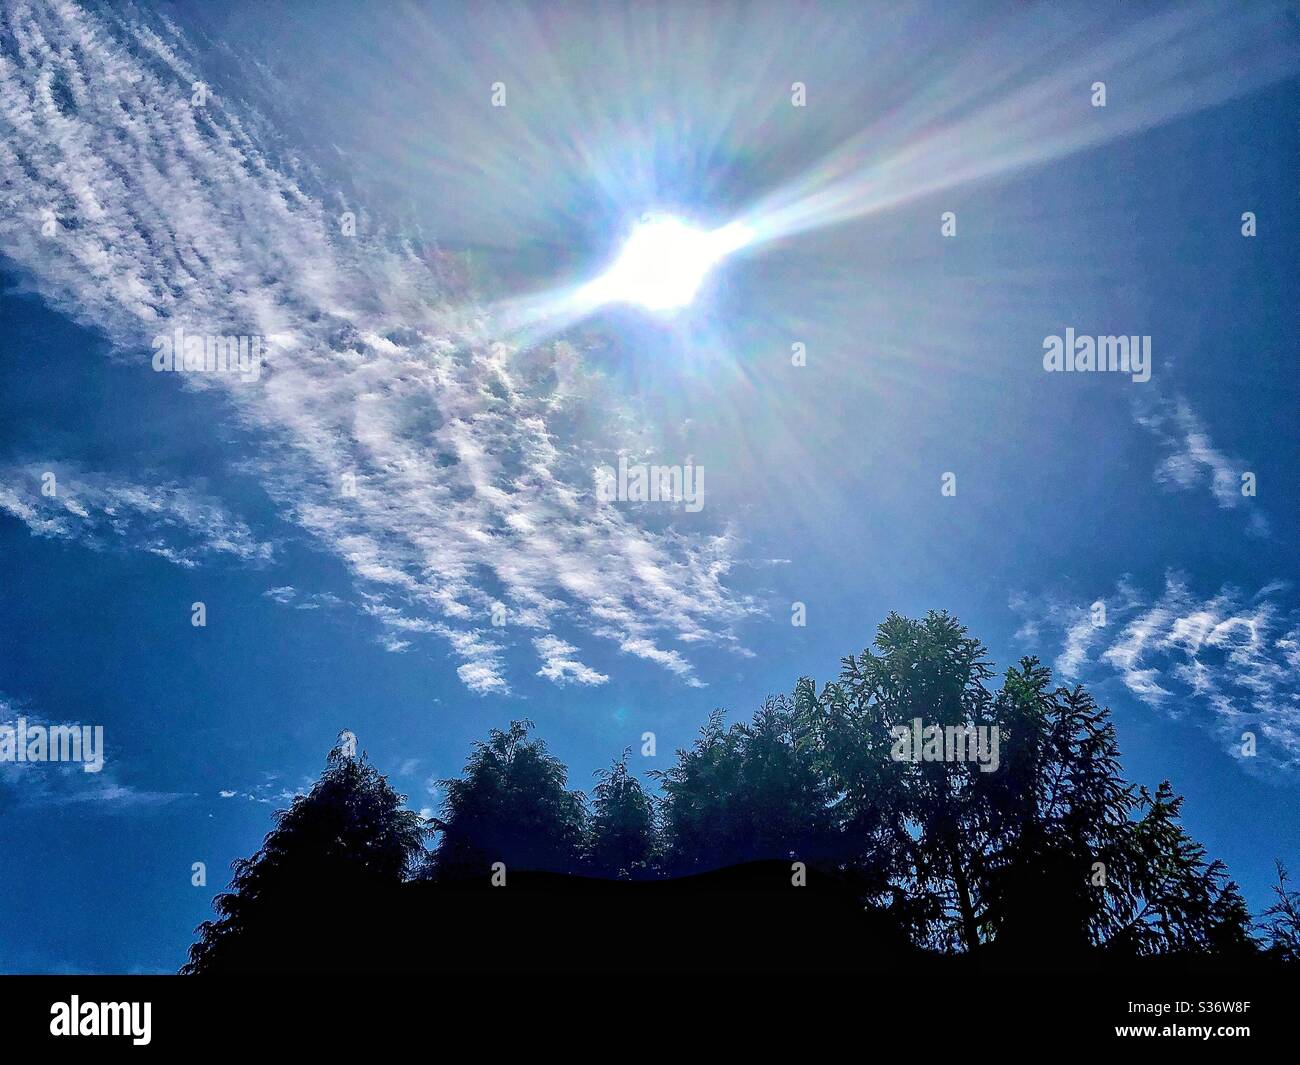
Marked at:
<point>747,917</point>
<point>744,918</point>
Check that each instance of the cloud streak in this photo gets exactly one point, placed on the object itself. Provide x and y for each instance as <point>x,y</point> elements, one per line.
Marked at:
<point>175,522</point>
<point>1193,462</point>
<point>65,783</point>
<point>1228,662</point>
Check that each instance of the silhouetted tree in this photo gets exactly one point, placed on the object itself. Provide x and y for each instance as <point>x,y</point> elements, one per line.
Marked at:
<point>513,806</point>
<point>915,822</point>
<point>1166,897</point>
<point>621,840</point>
<point>745,793</point>
<point>1052,820</point>
<point>1281,923</point>
<point>347,838</point>
<point>1049,856</point>
<point>867,802</point>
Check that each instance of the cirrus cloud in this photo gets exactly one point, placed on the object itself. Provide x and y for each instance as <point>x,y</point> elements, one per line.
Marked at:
<point>466,459</point>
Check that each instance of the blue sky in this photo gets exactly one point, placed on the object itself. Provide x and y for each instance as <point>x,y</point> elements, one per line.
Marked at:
<point>473,446</point>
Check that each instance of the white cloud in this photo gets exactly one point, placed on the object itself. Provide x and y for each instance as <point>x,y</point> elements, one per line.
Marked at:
<point>65,783</point>
<point>173,521</point>
<point>1228,662</point>
<point>267,791</point>
<point>559,665</point>
<point>473,481</point>
<point>1192,461</point>
<point>287,595</point>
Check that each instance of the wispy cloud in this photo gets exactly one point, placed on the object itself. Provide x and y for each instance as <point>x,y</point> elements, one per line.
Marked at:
<point>269,790</point>
<point>559,665</point>
<point>1192,461</point>
<point>1228,661</point>
<point>176,522</point>
<point>287,595</point>
<point>64,783</point>
<point>470,458</point>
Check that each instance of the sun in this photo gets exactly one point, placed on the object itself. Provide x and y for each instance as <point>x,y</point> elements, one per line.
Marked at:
<point>663,263</point>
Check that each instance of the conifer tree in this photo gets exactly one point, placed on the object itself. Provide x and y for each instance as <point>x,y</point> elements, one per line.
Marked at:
<point>345,840</point>
<point>621,840</point>
<point>1281,921</point>
<point>512,805</point>
<point>744,793</point>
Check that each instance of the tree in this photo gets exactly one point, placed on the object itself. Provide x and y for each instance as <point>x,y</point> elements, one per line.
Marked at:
<point>1030,847</point>
<point>746,793</point>
<point>1051,855</point>
<point>915,822</point>
<point>512,805</point>
<point>621,841</point>
<point>1053,819</point>
<point>1281,924</point>
<point>1168,898</point>
<point>342,842</point>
